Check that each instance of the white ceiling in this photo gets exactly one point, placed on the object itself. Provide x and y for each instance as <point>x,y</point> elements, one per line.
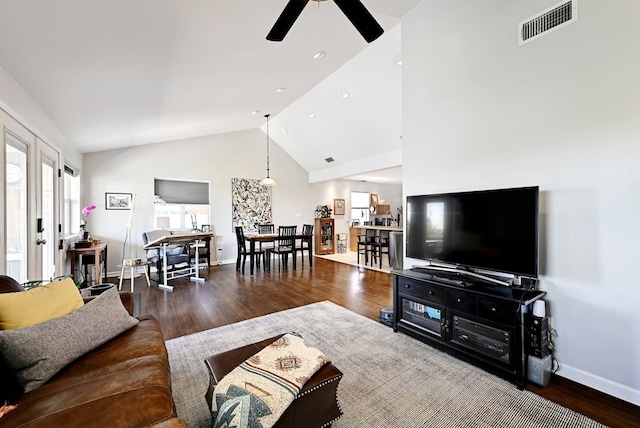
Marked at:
<point>118,73</point>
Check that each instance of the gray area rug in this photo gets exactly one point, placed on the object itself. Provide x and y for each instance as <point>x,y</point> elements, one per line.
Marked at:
<point>390,379</point>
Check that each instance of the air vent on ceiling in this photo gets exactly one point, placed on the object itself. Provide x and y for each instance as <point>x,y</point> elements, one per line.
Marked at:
<point>560,15</point>
<point>329,160</point>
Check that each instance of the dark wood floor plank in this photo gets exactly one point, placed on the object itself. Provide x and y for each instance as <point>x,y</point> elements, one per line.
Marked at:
<point>227,296</point>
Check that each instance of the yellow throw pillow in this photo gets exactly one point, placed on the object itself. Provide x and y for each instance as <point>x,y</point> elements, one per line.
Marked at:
<point>27,308</point>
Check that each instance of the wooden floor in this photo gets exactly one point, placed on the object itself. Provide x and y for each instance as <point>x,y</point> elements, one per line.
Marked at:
<point>226,296</point>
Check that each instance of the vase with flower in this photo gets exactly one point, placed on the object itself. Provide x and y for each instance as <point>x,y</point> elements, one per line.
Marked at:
<point>84,233</point>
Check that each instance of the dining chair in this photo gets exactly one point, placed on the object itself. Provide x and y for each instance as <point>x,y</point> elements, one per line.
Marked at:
<point>243,250</point>
<point>379,247</point>
<point>306,243</point>
<point>266,229</point>
<point>365,243</point>
<point>284,244</point>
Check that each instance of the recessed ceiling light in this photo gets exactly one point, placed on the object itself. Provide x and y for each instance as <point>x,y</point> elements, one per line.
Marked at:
<point>255,112</point>
<point>319,54</point>
<point>284,130</point>
<point>345,94</point>
<point>280,90</point>
<point>311,114</point>
<point>398,60</point>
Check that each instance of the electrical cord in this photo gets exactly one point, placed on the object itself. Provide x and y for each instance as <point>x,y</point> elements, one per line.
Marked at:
<point>555,363</point>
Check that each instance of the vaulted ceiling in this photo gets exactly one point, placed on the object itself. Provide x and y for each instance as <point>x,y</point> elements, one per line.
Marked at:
<point>118,73</point>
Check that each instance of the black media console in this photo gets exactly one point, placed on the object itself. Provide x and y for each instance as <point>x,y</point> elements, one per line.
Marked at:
<point>479,323</point>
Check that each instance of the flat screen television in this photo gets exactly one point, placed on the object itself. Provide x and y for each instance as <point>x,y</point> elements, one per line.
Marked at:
<point>490,230</point>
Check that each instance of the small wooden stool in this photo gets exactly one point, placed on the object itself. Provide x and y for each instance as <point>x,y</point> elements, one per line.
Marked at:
<point>317,403</point>
<point>132,272</point>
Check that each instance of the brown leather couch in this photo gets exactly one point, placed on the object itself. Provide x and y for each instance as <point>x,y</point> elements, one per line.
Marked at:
<point>124,383</point>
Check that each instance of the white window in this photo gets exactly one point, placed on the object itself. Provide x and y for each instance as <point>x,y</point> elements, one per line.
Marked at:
<point>181,217</point>
<point>360,206</point>
<point>187,206</point>
<point>71,201</point>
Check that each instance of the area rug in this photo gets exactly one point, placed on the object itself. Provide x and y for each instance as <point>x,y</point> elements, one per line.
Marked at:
<point>390,379</point>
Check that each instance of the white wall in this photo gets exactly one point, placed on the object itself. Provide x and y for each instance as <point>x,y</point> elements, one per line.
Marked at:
<point>563,113</point>
<point>15,101</point>
<point>217,159</point>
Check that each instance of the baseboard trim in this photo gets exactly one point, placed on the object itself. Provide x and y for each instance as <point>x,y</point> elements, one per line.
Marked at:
<point>601,384</point>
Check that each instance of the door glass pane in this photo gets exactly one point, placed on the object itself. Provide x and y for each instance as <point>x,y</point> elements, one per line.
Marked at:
<point>48,204</point>
<point>16,208</point>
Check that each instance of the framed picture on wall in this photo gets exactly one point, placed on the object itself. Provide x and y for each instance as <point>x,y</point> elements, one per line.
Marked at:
<point>338,206</point>
<point>117,201</point>
<point>373,199</point>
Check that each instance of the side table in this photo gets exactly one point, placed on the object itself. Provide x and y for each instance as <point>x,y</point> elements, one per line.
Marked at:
<point>132,272</point>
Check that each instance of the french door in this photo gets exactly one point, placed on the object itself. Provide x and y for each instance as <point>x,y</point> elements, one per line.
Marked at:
<point>47,231</point>
<point>31,204</point>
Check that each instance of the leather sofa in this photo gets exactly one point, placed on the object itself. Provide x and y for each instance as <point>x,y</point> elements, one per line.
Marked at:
<point>126,382</point>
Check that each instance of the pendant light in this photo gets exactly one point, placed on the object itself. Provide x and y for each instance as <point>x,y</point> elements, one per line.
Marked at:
<point>268,181</point>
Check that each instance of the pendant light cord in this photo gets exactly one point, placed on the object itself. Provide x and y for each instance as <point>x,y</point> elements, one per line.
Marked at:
<point>267,116</point>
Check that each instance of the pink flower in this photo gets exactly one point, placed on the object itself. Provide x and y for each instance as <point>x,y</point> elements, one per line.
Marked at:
<point>85,213</point>
<point>87,210</point>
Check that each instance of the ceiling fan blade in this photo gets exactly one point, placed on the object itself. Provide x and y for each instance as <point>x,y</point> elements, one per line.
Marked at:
<point>285,21</point>
<point>360,17</point>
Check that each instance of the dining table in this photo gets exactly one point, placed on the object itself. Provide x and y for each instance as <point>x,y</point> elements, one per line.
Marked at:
<point>254,238</point>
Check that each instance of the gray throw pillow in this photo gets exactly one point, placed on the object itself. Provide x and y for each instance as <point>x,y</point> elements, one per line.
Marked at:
<point>38,352</point>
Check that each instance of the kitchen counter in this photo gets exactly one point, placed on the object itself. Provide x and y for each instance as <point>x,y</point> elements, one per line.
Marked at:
<point>354,231</point>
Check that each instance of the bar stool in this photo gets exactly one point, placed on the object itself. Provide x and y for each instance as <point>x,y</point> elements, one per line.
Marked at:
<point>365,244</point>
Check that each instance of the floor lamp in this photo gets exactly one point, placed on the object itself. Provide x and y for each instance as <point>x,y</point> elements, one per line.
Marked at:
<point>157,200</point>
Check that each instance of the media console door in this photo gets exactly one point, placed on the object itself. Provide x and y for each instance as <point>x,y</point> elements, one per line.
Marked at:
<point>479,324</point>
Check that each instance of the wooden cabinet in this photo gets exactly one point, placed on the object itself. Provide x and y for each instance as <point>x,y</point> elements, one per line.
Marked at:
<point>481,324</point>
<point>382,209</point>
<point>353,237</point>
<point>324,236</point>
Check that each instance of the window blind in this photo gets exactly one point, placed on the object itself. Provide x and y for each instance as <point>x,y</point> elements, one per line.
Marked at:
<point>182,192</point>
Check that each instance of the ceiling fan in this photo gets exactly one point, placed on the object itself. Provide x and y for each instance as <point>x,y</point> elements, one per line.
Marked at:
<point>354,10</point>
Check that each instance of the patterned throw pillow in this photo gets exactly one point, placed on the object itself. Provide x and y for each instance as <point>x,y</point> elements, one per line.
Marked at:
<point>38,352</point>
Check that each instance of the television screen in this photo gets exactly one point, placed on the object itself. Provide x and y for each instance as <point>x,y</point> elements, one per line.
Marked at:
<point>494,230</point>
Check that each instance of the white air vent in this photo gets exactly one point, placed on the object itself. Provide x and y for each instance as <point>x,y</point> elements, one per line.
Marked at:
<point>563,13</point>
